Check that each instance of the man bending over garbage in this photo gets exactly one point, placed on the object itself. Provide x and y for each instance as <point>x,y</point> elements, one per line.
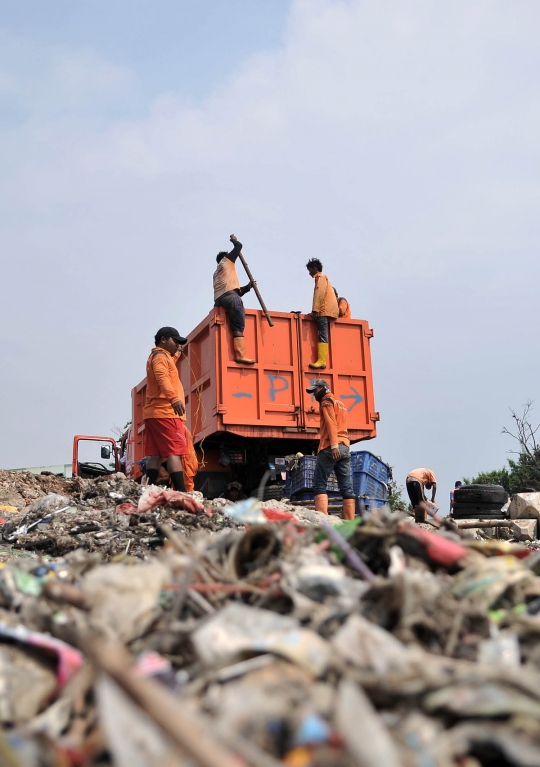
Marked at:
<point>417,481</point>
<point>164,409</point>
<point>333,451</point>
<point>227,293</point>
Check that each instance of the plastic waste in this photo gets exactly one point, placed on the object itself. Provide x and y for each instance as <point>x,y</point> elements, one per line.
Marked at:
<point>436,549</point>
<point>153,496</point>
<point>68,659</point>
<point>363,730</point>
<point>313,729</point>
<point>51,502</point>
<point>123,608</point>
<point>238,628</point>
<point>481,700</point>
<point>485,581</point>
<point>366,645</point>
<point>502,649</point>
<point>247,512</point>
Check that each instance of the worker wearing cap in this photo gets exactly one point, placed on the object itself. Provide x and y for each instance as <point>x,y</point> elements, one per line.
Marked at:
<point>333,453</point>
<point>417,482</point>
<point>164,409</point>
<point>324,309</point>
<point>234,492</point>
<point>228,293</point>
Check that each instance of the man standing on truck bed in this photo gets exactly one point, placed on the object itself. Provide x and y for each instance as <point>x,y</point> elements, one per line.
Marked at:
<point>417,480</point>
<point>164,409</point>
<point>333,451</point>
<point>227,293</point>
<point>344,306</point>
<point>325,308</point>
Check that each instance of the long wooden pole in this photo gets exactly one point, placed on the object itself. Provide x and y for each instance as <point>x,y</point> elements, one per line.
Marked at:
<point>256,289</point>
<point>163,707</point>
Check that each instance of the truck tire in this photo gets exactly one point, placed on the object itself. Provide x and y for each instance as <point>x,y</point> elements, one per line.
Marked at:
<point>273,492</point>
<point>480,495</point>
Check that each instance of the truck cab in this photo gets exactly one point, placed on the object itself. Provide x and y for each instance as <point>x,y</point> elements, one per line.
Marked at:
<point>86,449</point>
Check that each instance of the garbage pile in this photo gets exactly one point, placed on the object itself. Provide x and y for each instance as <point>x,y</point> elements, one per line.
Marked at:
<point>111,515</point>
<point>369,643</point>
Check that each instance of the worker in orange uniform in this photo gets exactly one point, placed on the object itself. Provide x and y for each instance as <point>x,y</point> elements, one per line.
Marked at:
<point>343,306</point>
<point>417,482</point>
<point>228,293</point>
<point>164,409</point>
<point>324,309</point>
<point>333,453</point>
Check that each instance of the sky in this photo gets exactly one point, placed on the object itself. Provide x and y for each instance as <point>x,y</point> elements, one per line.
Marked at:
<point>395,140</point>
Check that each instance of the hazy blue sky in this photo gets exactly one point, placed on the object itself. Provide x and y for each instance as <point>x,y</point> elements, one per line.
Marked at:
<point>397,141</point>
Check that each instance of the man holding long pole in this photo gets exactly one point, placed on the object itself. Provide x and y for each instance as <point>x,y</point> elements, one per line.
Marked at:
<point>228,293</point>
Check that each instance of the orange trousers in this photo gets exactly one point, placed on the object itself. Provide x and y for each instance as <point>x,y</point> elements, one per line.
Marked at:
<point>190,463</point>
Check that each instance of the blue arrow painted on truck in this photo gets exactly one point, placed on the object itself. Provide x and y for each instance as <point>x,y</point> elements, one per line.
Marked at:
<point>356,397</point>
<point>242,394</point>
<point>273,390</point>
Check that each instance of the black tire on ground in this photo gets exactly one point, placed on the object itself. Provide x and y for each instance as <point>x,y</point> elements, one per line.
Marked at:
<point>273,492</point>
<point>486,506</point>
<point>481,508</point>
<point>480,495</point>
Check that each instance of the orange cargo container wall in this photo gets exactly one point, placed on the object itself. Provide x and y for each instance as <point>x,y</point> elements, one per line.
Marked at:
<point>268,400</point>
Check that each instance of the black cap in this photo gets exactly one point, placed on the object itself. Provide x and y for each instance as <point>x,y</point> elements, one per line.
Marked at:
<point>316,384</point>
<point>168,332</point>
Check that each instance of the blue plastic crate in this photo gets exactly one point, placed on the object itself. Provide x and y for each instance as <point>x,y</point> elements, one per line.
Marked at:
<point>287,489</point>
<point>302,477</point>
<point>363,460</point>
<point>365,485</point>
<point>368,505</point>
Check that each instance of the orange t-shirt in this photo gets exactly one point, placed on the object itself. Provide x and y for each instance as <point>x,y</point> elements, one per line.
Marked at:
<point>344,308</point>
<point>426,476</point>
<point>163,385</point>
<point>333,415</point>
<point>225,278</point>
<point>324,297</point>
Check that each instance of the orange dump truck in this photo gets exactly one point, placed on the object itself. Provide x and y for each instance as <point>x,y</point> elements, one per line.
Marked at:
<point>246,419</point>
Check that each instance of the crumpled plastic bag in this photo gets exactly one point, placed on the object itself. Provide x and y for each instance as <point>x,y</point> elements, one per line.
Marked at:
<point>155,496</point>
<point>249,512</point>
<point>68,658</point>
<point>125,599</point>
<point>435,548</point>
<point>367,645</point>
<point>238,628</point>
<point>51,502</point>
<point>485,581</point>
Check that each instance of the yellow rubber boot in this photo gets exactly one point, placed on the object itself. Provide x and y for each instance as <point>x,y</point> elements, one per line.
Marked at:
<point>240,351</point>
<point>321,503</point>
<point>349,508</point>
<point>323,356</point>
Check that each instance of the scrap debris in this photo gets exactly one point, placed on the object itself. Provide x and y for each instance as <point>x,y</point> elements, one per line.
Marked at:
<point>195,637</point>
